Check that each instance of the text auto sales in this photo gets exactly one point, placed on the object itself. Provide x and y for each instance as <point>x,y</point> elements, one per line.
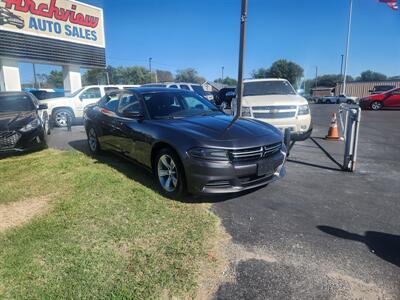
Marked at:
<point>56,27</point>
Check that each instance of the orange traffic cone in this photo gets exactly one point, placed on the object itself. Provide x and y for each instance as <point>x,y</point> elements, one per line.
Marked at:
<point>333,133</point>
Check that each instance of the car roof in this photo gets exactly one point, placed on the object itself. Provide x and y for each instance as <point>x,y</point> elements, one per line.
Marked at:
<point>170,82</point>
<point>145,89</point>
<point>264,79</point>
<point>15,94</point>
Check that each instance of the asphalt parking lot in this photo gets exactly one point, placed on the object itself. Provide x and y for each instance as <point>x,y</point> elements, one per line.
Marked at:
<point>320,232</point>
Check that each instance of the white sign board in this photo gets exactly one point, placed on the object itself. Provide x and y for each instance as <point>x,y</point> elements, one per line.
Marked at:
<point>66,20</point>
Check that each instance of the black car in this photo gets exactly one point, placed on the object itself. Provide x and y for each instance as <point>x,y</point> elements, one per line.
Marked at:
<point>23,122</point>
<point>186,141</point>
<point>225,96</point>
<point>7,17</point>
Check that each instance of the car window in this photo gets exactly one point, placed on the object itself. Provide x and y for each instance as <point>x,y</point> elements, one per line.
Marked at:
<point>260,88</point>
<point>16,103</point>
<point>177,105</point>
<point>198,89</point>
<point>396,92</point>
<point>91,93</point>
<point>111,101</point>
<point>185,87</point>
<point>174,86</point>
<point>129,103</point>
<point>110,88</point>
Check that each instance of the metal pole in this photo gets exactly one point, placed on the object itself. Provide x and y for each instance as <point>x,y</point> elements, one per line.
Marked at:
<point>316,76</point>
<point>150,59</point>
<point>346,62</point>
<point>243,24</point>
<point>222,75</point>
<point>108,77</point>
<point>35,85</point>
<point>341,72</point>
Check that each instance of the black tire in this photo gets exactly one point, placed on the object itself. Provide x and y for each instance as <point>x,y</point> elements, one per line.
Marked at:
<point>93,141</point>
<point>376,105</point>
<point>349,101</point>
<point>60,117</point>
<point>176,171</point>
<point>328,102</point>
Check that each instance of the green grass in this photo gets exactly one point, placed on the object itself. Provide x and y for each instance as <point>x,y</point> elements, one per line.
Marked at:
<point>105,235</point>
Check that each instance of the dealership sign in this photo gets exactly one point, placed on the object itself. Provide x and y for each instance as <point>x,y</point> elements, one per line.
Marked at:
<point>66,20</point>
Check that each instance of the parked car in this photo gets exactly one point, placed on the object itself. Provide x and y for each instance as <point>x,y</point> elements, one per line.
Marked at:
<point>186,141</point>
<point>23,122</point>
<point>7,17</point>
<point>47,94</point>
<point>337,100</point>
<point>72,106</point>
<point>225,96</point>
<point>379,89</point>
<point>390,99</point>
<point>197,88</point>
<point>275,101</point>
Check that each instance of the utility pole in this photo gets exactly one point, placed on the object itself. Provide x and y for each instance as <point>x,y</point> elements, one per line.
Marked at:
<point>346,62</point>
<point>222,73</point>
<point>108,77</point>
<point>341,72</point>
<point>316,76</point>
<point>35,84</point>
<point>239,90</point>
<point>150,59</point>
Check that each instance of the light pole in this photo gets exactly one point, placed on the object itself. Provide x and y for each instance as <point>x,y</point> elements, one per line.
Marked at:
<point>346,62</point>
<point>222,73</point>
<point>150,59</point>
<point>316,76</point>
<point>341,71</point>
<point>239,90</point>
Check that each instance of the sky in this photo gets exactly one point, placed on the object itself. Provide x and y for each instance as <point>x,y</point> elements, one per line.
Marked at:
<point>204,34</point>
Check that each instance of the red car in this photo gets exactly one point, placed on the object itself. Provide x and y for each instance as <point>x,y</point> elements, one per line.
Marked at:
<point>387,99</point>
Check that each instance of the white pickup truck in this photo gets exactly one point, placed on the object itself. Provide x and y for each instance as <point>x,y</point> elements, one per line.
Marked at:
<point>337,99</point>
<point>72,106</point>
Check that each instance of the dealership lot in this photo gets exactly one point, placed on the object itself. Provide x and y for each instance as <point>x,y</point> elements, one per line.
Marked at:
<point>319,232</point>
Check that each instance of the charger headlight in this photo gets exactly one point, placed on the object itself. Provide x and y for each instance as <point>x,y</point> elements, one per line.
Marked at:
<point>304,110</point>
<point>209,154</point>
<point>31,125</point>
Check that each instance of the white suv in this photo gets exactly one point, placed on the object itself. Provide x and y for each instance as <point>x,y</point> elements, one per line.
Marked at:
<point>194,87</point>
<point>276,102</point>
<point>72,106</point>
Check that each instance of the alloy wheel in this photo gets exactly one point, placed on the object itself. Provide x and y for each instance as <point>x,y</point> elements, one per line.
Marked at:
<point>376,105</point>
<point>61,118</point>
<point>167,173</point>
<point>92,139</point>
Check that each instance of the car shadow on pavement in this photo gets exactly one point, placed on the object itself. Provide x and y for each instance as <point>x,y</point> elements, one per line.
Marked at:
<point>139,174</point>
<point>384,245</point>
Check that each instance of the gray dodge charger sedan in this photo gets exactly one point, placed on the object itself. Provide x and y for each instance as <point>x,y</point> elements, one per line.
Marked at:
<point>185,141</point>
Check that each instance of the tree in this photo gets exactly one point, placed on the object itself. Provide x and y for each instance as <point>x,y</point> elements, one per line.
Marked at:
<point>260,73</point>
<point>281,69</point>
<point>287,70</point>
<point>55,79</point>
<point>371,76</point>
<point>164,76</point>
<point>227,81</point>
<point>189,75</point>
<point>94,77</point>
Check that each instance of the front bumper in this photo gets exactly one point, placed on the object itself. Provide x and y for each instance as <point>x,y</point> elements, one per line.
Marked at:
<point>365,104</point>
<point>27,141</point>
<point>207,177</point>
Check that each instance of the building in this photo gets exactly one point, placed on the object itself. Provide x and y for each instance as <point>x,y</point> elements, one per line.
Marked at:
<point>210,86</point>
<point>65,33</point>
<point>322,91</point>
<point>362,89</point>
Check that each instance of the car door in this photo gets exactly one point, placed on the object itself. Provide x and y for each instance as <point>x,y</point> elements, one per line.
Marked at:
<point>107,119</point>
<point>393,99</point>
<point>88,96</point>
<point>130,127</point>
